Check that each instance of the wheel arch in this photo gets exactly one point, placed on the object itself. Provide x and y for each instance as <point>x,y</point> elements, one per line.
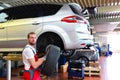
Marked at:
<point>53,34</point>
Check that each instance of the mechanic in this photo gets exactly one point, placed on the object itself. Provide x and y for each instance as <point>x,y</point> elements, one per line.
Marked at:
<point>30,59</point>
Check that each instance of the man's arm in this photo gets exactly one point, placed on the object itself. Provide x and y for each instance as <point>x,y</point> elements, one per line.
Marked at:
<point>36,64</point>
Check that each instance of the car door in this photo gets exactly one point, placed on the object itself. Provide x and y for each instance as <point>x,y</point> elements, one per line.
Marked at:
<point>25,19</point>
<point>2,36</point>
<point>2,30</point>
<point>18,29</point>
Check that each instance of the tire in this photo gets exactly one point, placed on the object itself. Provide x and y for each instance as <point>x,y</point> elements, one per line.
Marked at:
<point>53,54</point>
<point>84,60</point>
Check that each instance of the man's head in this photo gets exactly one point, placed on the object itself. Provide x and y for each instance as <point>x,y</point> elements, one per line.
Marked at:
<point>31,37</point>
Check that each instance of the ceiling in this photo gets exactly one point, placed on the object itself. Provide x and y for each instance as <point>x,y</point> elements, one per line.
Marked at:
<point>108,11</point>
<point>83,3</point>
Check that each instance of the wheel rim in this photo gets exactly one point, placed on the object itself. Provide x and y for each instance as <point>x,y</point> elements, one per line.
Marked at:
<point>84,60</point>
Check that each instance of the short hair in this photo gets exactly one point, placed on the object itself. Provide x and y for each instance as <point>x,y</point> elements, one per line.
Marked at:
<point>30,34</point>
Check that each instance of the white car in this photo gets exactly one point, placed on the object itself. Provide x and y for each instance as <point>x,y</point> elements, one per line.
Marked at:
<point>59,24</point>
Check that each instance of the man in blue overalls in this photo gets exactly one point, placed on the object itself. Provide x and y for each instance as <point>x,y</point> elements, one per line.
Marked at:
<point>30,59</point>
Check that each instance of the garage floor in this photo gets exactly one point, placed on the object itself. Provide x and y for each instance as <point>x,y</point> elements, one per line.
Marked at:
<point>110,68</point>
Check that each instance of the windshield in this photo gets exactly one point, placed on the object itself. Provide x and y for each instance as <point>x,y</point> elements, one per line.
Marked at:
<point>76,9</point>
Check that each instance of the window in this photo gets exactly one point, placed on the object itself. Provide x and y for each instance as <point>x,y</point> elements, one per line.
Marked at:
<point>3,17</point>
<point>51,9</point>
<point>20,12</point>
<point>29,11</point>
<point>76,9</point>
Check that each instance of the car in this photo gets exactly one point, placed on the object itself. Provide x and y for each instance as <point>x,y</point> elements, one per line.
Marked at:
<point>85,55</point>
<point>61,24</point>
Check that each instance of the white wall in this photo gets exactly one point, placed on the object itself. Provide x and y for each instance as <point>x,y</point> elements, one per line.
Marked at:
<point>112,38</point>
<point>100,38</point>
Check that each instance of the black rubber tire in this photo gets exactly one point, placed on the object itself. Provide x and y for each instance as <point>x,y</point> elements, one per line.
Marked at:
<point>53,54</point>
<point>84,60</point>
